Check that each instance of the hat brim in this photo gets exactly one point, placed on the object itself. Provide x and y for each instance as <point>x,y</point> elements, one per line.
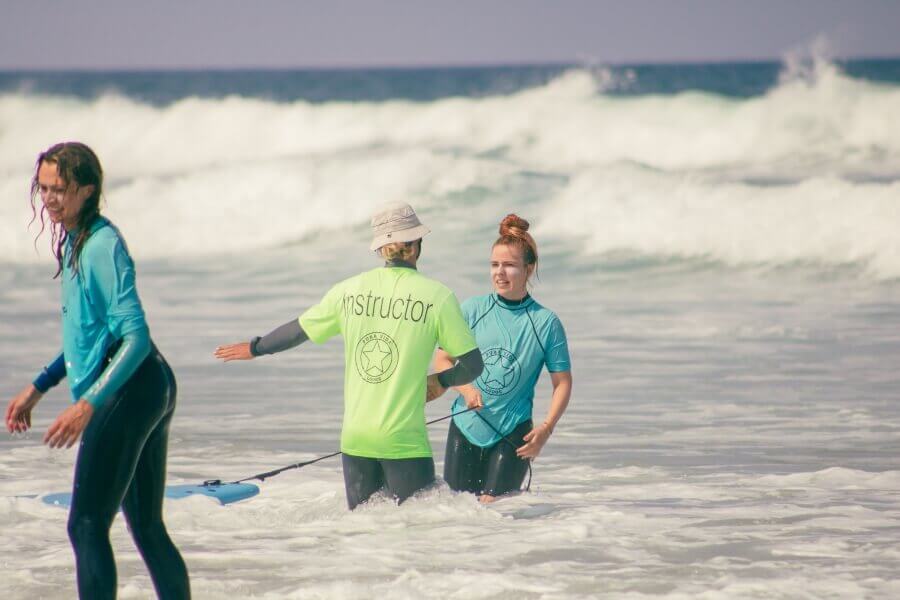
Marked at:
<point>404,235</point>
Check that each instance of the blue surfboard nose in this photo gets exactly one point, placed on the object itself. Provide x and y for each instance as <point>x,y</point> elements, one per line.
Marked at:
<point>225,493</point>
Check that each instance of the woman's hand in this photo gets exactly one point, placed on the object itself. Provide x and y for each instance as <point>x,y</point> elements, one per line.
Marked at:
<point>534,441</point>
<point>67,427</point>
<point>433,388</point>
<point>472,396</point>
<point>239,351</point>
<point>18,411</point>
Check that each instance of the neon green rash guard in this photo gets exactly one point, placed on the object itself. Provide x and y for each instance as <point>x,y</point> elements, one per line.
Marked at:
<point>391,319</point>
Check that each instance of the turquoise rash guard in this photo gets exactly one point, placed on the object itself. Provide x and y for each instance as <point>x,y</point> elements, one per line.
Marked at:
<point>100,308</point>
<point>517,339</point>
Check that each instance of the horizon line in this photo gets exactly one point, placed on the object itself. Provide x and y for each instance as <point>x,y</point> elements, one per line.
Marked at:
<point>586,63</point>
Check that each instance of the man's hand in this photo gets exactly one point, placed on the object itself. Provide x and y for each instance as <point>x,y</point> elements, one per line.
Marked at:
<point>472,396</point>
<point>239,351</point>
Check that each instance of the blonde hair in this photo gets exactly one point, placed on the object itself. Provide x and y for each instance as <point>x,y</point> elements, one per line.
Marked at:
<point>405,251</point>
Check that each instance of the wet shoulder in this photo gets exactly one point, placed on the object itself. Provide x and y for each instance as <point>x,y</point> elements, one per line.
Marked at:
<point>105,240</point>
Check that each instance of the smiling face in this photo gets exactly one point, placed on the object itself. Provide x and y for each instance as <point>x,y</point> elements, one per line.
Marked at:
<point>509,273</point>
<point>62,200</point>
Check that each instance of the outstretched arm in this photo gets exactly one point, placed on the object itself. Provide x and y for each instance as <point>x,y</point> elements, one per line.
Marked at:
<point>282,338</point>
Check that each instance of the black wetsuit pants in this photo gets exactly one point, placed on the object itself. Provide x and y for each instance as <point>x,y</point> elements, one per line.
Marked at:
<point>122,462</point>
<point>401,477</point>
<point>495,470</point>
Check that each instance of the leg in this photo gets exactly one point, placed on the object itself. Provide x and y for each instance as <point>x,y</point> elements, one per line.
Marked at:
<point>406,476</point>
<point>463,463</point>
<point>505,470</point>
<point>362,478</point>
<point>107,458</point>
<point>143,505</point>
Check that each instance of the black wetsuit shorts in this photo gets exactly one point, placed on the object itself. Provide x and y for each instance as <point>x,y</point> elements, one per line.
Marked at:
<point>495,470</point>
<point>400,477</point>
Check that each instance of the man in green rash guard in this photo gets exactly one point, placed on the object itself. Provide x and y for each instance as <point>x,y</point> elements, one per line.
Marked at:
<point>391,317</point>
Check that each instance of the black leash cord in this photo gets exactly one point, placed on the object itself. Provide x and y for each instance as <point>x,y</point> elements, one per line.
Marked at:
<point>511,443</point>
<point>267,474</point>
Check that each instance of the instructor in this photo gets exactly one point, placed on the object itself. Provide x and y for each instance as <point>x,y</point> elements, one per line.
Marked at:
<point>391,317</point>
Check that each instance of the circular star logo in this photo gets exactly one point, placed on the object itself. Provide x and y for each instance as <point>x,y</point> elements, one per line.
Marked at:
<point>376,357</point>
<point>501,372</point>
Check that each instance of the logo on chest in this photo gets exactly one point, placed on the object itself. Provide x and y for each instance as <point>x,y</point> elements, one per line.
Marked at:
<point>501,371</point>
<point>376,357</point>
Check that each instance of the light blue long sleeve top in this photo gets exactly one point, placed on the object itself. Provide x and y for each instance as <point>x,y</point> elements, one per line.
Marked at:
<point>100,307</point>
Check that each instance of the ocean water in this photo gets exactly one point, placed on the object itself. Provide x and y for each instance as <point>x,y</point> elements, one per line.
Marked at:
<point>720,241</point>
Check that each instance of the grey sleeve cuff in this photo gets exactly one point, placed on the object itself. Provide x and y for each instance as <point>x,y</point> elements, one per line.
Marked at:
<point>467,368</point>
<point>287,336</point>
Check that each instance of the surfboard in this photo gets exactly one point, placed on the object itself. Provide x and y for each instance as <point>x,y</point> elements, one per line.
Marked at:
<point>225,493</point>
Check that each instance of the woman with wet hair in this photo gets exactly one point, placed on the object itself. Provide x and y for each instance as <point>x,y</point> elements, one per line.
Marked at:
<point>123,391</point>
<point>488,450</point>
<point>391,318</point>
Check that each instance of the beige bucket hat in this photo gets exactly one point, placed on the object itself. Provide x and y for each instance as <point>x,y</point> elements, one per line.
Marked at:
<point>396,222</point>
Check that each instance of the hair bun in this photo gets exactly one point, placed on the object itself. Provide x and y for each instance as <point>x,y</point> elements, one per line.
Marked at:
<point>512,221</point>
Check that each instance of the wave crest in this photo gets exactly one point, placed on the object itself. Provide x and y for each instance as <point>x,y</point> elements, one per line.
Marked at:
<point>814,160</point>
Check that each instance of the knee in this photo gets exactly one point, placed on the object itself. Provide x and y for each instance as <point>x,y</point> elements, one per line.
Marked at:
<point>83,528</point>
<point>146,531</point>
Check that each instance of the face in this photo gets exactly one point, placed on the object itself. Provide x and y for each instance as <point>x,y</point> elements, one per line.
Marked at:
<point>508,272</point>
<point>62,201</point>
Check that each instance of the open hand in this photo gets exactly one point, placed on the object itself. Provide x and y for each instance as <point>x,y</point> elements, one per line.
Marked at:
<point>239,351</point>
<point>67,427</point>
<point>534,441</point>
<point>18,411</point>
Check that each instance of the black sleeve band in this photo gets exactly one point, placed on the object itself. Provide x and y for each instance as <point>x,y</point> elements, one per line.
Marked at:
<point>467,368</point>
<point>287,336</point>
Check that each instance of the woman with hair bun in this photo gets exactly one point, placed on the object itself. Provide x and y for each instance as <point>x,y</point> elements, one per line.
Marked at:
<point>488,450</point>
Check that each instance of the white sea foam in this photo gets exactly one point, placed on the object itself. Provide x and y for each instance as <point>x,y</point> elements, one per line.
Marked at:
<point>728,437</point>
<point>819,220</point>
<point>806,172</point>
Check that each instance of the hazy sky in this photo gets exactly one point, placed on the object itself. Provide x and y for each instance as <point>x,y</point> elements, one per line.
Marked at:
<point>343,33</point>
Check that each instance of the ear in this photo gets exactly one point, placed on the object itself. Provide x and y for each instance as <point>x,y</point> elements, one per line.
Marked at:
<point>85,191</point>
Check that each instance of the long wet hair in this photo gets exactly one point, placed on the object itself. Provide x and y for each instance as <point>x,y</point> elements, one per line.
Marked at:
<point>76,165</point>
<point>514,232</point>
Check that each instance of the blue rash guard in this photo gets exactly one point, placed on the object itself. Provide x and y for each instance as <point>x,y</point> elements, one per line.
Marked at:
<point>516,339</point>
<point>100,307</point>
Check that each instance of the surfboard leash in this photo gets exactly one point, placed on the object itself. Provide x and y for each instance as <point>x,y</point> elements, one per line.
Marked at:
<point>300,465</point>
